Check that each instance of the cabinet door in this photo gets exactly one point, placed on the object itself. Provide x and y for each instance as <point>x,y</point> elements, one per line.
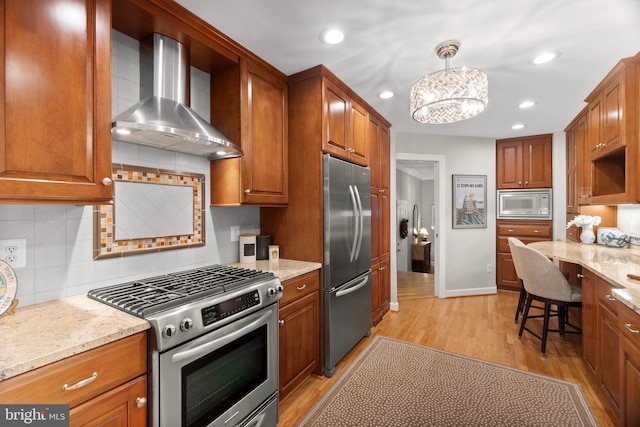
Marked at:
<point>608,361</point>
<point>509,165</point>
<point>376,303</point>
<point>358,143</point>
<point>572,170</point>
<point>506,275</point>
<point>55,102</point>
<point>299,341</point>
<point>585,167</point>
<point>613,97</point>
<point>265,175</point>
<point>384,153</point>
<point>631,380</point>
<point>375,152</point>
<point>537,155</point>
<point>385,239</point>
<point>589,319</point>
<point>335,120</point>
<point>123,406</point>
<point>376,226</point>
<point>594,132</point>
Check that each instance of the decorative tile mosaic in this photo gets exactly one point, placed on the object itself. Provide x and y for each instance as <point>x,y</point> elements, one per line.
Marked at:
<point>106,245</point>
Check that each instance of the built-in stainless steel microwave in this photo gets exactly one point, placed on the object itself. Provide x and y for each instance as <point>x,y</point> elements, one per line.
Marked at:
<point>525,204</point>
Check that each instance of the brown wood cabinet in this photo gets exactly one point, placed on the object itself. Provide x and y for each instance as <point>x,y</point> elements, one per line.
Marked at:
<point>115,384</point>
<point>629,324</point>
<point>608,372</point>
<point>524,162</point>
<point>261,175</point>
<point>590,319</point>
<point>55,131</point>
<point>299,332</point>
<point>613,135</point>
<point>345,123</point>
<point>527,232</point>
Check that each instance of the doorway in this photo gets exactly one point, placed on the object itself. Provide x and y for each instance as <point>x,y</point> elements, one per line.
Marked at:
<point>424,174</point>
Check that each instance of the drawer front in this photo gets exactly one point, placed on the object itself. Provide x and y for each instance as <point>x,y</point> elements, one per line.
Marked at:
<point>525,230</point>
<point>629,323</point>
<point>503,242</point>
<point>92,372</point>
<point>606,298</point>
<point>299,287</point>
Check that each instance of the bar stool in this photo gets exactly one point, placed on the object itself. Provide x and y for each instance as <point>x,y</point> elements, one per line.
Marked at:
<point>544,282</point>
<point>513,242</point>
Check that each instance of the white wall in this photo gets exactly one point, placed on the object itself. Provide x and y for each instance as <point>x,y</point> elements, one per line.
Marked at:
<point>60,237</point>
<point>468,251</point>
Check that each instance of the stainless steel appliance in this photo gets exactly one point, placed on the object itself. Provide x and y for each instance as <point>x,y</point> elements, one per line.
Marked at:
<point>347,259</point>
<point>213,344</point>
<point>525,204</point>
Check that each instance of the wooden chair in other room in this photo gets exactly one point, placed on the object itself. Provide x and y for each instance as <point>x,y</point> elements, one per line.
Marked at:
<point>544,282</point>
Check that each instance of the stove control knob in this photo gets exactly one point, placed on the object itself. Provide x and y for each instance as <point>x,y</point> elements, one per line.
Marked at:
<point>279,289</point>
<point>186,324</point>
<point>271,291</point>
<point>168,331</point>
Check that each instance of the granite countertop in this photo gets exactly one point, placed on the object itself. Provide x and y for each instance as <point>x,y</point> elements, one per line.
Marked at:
<point>611,264</point>
<point>285,269</point>
<point>39,334</point>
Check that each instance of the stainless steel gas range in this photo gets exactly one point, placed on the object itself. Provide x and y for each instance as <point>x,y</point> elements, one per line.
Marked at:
<point>213,344</point>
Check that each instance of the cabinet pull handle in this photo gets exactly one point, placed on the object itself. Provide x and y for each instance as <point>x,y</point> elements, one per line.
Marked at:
<point>609,297</point>
<point>80,383</point>
<point>247,191</point>
<point>280,322</point>
<point>536,231</point>
<point>301,288</point>
<point>106,181</point>
<point>510,230</point>
<point>526,183</point>
<point>579,276</point>
<point>630,328</point>
<point>141,401</point>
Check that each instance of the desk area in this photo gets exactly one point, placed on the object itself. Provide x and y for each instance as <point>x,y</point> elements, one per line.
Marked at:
<point>611,264</point>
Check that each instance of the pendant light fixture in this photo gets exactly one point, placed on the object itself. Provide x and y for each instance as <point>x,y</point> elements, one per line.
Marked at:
<point>449,95</point>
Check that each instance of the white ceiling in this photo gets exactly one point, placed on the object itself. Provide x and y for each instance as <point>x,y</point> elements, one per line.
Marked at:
<point>389,45</point>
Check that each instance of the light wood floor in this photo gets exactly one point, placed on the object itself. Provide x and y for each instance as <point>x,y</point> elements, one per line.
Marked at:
<point>413,285</point>
<point>477,326</point>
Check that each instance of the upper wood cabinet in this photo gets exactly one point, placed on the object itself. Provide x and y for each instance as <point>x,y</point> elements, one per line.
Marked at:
<point>55,102</point>
<point>579,166</point>
<point>345,124</point>
<point>260,176</point>
<point>524,162</point>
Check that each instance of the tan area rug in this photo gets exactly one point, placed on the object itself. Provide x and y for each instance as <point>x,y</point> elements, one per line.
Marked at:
<point>396,383</point>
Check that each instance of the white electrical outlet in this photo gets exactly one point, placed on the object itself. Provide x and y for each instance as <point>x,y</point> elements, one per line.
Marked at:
<point>235,233</point>
<point>489,268</point>
<point>14,252</point>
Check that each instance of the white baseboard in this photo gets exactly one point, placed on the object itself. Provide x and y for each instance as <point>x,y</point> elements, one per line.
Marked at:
<point>489,290</point>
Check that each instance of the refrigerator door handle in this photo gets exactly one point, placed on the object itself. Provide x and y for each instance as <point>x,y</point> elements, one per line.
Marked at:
<point>355,228</point>
<point>361,217</point>
<point>354,288</point>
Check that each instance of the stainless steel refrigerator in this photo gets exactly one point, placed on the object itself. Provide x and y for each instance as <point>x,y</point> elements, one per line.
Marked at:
<point>347,258</point>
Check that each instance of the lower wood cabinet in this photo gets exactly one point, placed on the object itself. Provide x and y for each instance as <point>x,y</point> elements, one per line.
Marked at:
<point>589,320</point>
<point>101,386</point>
<point>299,339</point>
<point>527,232</point>
<point>629,323</point>
<point>380,290</point>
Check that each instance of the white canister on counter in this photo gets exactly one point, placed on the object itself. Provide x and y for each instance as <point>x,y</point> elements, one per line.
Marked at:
<point>247,248</point>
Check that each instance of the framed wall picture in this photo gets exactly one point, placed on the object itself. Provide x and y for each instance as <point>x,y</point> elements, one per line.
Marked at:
<point>469,201</point>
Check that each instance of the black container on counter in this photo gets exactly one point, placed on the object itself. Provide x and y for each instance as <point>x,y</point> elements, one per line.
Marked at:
<point>263,242</point>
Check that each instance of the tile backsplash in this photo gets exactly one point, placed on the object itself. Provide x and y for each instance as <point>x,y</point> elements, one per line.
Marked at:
<point>60,237</point>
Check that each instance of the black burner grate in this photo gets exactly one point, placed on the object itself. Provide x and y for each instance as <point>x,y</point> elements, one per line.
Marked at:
<point>144,297</point>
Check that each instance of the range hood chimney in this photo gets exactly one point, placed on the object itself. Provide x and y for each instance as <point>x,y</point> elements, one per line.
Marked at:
<point>163,119</point>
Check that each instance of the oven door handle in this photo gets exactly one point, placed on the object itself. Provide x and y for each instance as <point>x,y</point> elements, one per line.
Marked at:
<point>209,346</point>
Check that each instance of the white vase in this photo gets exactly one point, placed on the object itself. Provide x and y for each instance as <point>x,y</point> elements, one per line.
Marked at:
<point>587,235</point>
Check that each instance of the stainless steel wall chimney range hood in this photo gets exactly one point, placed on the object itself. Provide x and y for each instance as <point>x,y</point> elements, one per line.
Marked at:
<point>162,119</point>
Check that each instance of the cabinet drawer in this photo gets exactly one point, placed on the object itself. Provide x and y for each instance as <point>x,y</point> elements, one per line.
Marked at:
<point>299,287</point>
<point>503,242</point>
<point>629,323</point>
<point>525,230</point>
<point>111,365</point>
<point>605,297</point>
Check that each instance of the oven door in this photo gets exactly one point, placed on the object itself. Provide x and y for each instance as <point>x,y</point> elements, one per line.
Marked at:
<point>220,378</point>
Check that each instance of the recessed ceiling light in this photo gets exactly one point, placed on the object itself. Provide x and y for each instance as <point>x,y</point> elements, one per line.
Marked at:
<point>386,94</point>
<point>545,57</point>
<point>517,126</point>
<point>527,104</point>
<point>332,36</point>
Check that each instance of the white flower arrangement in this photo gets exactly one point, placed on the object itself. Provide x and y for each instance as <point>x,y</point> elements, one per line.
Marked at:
<point>582,220</point>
